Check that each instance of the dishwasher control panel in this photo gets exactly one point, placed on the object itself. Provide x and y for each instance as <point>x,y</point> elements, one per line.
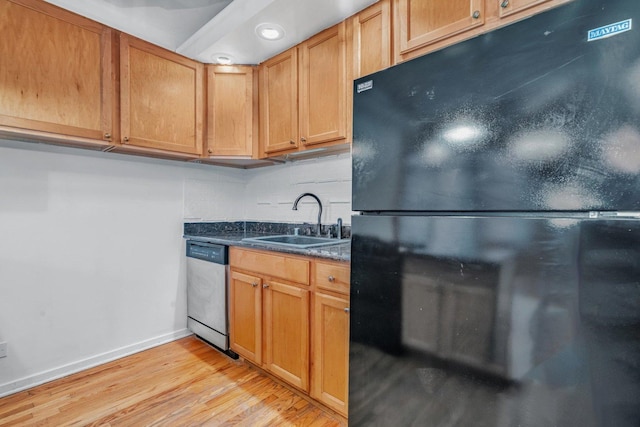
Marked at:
<point>211,252</point>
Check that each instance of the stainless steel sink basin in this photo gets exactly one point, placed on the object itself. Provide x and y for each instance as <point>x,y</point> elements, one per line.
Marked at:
<point>301,242</point>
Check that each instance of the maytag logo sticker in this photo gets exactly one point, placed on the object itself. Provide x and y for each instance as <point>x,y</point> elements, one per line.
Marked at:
<point>609,30</point>
<point>368,85</point>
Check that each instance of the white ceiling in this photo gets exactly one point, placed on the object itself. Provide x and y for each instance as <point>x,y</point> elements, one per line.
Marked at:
<point>199,29</point>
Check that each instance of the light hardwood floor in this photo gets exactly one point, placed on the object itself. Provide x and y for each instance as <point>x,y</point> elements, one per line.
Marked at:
<point>183,383</point>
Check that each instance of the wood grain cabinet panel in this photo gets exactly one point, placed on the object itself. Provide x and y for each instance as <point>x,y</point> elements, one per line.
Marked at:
<point>294,269</point>
<point>55,71</point>
<point>422,22</point>
<point>509,7</point>
<point>275,333</point>
<point>306,346</point>
<point>161,98</point>
<point>286,317</point>
<point>230,105</point>
<point>323,87</point>
<point>332,276</point>
<point>304,94</point>
<point>330,384</point>
<point>372,39</point>
<point>279,102</point>
<point>245,315</point>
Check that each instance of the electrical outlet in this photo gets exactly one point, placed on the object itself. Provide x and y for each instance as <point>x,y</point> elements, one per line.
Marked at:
<point>3,349</point>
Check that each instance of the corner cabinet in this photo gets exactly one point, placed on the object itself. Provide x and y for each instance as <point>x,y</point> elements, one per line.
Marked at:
<point>56,74</point>
<point>231,101</point>
<point>161,98</point>
<point>304,95</point>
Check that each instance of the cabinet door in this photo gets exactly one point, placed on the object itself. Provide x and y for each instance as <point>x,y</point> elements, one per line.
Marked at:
<point>372,39</point>
<point>55,71</point>
<point>230,110</point>
<point>331,351</point>
<point>323,87</point>
<point>421,22</point>
<point>509,7</point>
<point>286,330</point>
<point>245,316</point>
<point>161,98</point>
<point>279,102</point>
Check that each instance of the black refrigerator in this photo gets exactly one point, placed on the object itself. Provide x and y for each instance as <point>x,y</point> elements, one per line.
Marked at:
<point>496,234</point>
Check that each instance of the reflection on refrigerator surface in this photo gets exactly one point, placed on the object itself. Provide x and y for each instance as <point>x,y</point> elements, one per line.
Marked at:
<point>483,327</point>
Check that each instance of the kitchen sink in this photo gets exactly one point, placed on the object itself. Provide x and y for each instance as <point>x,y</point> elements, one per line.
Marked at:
<point>293,241</point>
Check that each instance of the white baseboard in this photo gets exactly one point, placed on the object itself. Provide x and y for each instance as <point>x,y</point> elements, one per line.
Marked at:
<point>21,384</point>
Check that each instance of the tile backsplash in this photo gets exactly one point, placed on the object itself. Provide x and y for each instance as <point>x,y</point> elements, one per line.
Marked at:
<point>267,194</point>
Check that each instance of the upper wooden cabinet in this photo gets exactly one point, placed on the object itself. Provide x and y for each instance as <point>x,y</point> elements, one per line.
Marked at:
<point>161,98</point>
<point>55,72</point>
<point>422,22</point>
<point>510,7</point>
<point>303,95</point>
<point>279,102</point>
<point>231,100</point>
<point>423,26</point>
<point>323,87</point>
<point>372,39</point>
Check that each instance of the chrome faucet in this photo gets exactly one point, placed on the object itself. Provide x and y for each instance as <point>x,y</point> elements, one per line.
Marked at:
<point>295,208</point>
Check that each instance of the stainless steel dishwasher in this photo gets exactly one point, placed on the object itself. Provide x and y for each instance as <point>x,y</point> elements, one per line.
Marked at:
<point>207,290</point>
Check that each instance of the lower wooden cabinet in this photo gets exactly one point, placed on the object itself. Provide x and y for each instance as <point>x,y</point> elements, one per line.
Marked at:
<point>286,329</point>
<point>269,319</point>
<point>330,356</point>
<point>290,315</point>
<point>245,313</point>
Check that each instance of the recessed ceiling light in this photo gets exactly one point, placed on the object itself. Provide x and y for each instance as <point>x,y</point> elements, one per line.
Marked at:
<point>270,31</point>
<point>222,58</point>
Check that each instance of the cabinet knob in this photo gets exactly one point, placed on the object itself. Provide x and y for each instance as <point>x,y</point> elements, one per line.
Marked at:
<point>125,139</point>
<point>476,14</point>
<point>210,151</point>
<point>504,4</point>
<point>292,142</point>
<point>331,279</point>
<point>254,284</point>
<point>107,135</point>
<point>346,310</point>
<point>303,139</point>
<point>265,286</point>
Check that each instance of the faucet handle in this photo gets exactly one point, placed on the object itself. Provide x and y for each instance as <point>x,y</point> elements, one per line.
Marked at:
<point>296,231</point>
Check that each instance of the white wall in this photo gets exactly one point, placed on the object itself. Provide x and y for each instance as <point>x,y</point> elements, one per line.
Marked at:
<point>91,250</point>
<point>91,256</point>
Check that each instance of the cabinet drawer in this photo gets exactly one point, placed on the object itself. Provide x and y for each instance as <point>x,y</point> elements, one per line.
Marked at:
<point>271,264</point>
<point>333,277</point>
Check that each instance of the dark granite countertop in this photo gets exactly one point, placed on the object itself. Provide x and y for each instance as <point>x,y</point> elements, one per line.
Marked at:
<point>232,233</point>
